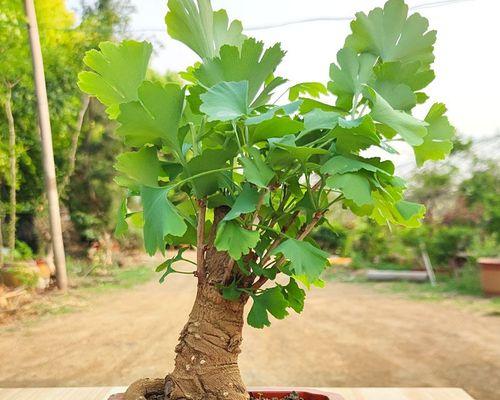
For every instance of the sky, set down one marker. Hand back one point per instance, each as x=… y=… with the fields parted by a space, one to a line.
x=467 y=50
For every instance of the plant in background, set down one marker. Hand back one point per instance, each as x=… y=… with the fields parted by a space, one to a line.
x=219 y=165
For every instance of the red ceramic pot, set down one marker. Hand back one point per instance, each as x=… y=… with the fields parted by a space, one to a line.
x=490 y=275
x=305 y=393
x=265 y=393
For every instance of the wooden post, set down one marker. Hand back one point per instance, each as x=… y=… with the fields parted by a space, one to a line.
x=428 y=264
x=11 y=239
x=1 y=238
x=47 y=150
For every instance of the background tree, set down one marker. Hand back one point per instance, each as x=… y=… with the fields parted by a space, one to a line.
x=218 y=165
x=63 y=44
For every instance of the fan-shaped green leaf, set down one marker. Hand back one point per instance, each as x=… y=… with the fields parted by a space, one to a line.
x=200 y=28
x=305 y=259
x=142 y=166
x=235 y=239
x=251 y=64
x=245 y=203
x=270 y=300
x=313 y=89
x=226 y=101
x=117 y=72
x=411 y=129
x=390 y=34
x=353 y=186
x=348 y=78
x=161 y=218
x=438 y=142
x=155 y=118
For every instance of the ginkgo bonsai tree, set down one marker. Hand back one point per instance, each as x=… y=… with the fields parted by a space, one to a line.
x=219 y=164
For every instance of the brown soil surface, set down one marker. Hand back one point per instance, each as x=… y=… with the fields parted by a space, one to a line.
x=348 y=335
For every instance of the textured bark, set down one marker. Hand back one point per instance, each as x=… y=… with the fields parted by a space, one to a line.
x=206 y=363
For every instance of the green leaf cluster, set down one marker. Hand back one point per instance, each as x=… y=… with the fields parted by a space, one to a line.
x=218 y=144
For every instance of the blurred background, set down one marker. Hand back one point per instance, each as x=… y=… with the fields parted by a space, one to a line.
x=401 y=307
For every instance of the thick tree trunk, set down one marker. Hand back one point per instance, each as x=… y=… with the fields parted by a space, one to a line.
x=206 y=363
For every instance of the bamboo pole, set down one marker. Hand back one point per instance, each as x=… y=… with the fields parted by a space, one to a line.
x=47 y=149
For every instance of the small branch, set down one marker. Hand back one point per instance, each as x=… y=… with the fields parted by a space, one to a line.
x=256 y=218
x=303 y=233
x=200 y=245
x=307 y=229
x=74 y=144
x=227 y=272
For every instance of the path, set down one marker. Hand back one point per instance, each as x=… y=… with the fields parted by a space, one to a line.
x=348 y=335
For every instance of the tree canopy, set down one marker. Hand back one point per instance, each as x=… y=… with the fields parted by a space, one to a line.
x=222 y=142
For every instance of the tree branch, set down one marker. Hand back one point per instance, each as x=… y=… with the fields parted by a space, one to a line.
x=227 y=272
x=74 y=144
x=303 y=233
x=200 y=242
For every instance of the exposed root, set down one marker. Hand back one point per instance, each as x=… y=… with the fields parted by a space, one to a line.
x=145 y=389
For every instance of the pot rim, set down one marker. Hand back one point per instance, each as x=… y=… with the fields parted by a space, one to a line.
x=489 y=261
x=289 y=389
x=268 y=390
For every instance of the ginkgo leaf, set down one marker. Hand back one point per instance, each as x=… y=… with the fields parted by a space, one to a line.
x=399 y=83
x=301 y=153
x=117 y=72
x=390 y=34
x=245 y=203
x=142 y=166
x=398 y=212
x=355 y=135
x=313 y=89
x=409 y=73
x=167 y=266
x=200 y=28
x=121 y=223
x=305 y=259
x=438 y=142
x=275 y=127
x=231 y=292
x=411 y=129
x=209 y=160
x=155 y=118
x=398 y=95
x=349 y=77
x=235 y=239
x=286 y=109
x=255 y=169
x=250 y=63
x=320 y=119
x=353 y=186
x=161 y=218
x=270 y=301
x=294 y=295
x=226 y=101
x=342 y=165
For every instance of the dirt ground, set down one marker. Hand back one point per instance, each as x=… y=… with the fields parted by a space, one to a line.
x=348 y=335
